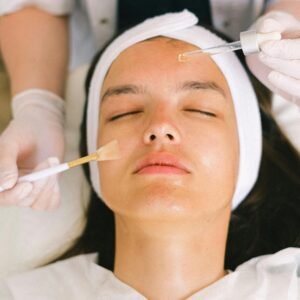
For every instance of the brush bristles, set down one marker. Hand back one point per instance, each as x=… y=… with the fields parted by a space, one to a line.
x=110 y=151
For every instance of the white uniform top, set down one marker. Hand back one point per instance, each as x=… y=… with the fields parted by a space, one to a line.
x=93 y=22
x=268 y=277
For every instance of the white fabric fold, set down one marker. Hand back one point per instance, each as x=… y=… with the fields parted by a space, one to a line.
x=181 y=26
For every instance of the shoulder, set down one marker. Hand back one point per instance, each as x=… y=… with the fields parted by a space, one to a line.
x=267 y=277
x=74 y=278
x=286 y=260
x=274 y=276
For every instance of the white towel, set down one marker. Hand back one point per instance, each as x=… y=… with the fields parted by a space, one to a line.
x=181 y=26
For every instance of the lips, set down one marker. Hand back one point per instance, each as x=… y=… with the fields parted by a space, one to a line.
x=161 y=163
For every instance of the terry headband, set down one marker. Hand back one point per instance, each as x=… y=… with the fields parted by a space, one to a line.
x=181 y=26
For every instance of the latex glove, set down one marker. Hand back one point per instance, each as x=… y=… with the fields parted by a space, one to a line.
x=34 y=134
x=278 y=64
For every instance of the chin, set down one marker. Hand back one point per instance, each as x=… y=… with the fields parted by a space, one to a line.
x=164 y=200
x=161 y=203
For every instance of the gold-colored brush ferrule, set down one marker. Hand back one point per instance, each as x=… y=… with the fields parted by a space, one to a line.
x=82 y=160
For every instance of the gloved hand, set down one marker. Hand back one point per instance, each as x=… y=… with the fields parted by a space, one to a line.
x=34 y=134
x=278 y=64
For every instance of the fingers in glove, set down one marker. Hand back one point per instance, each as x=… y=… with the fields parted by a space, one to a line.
x=55 y=198
x=16 y=195
x=277 y=21
x=285 y=83
x=284 y=49
x=270 y=25
x=287 y=67
x=8 y=166
x=45 y=194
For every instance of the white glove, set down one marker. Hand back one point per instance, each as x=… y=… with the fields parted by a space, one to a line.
x=278 y=64
x=35 y=133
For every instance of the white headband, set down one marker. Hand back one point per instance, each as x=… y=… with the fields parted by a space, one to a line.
x=181 y=26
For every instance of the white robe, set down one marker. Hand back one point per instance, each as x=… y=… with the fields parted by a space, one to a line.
x=268 y=277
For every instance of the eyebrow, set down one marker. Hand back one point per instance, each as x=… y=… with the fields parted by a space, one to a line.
x=201 y=85
x=185 y=86
x=123 y=89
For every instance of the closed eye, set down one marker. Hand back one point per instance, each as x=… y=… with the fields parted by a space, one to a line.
x=204 y=112
x=119 y=116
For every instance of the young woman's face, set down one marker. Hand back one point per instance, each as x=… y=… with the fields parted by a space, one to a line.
x=176 y=127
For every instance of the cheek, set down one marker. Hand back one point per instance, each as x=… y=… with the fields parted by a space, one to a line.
x=217 y=161
x=108 y=180
x=218 y=156
x=114 y=173
x=214 y=143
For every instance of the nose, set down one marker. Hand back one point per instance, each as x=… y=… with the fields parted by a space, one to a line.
x=161 y=131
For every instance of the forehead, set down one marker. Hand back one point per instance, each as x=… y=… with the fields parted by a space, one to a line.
x=154 y=62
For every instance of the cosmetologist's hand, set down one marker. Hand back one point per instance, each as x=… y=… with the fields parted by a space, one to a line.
x=278 y=64
x=33 y=140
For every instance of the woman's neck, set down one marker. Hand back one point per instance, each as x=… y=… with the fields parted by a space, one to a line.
x=162 y=260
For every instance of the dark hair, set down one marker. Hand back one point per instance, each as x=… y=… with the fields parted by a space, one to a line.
x=267 y=221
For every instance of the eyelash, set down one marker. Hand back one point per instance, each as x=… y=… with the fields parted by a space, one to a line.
x=207 y=113
x=116 y=117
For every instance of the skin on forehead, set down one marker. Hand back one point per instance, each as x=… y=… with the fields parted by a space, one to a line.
x=178 y=47
x=147 y=77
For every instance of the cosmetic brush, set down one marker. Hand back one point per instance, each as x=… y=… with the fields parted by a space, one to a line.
x=109 y=151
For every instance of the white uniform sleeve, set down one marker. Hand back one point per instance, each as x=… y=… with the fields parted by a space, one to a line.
x=61 y=7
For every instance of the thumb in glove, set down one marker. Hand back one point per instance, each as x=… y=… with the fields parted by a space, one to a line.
x=278 y=63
